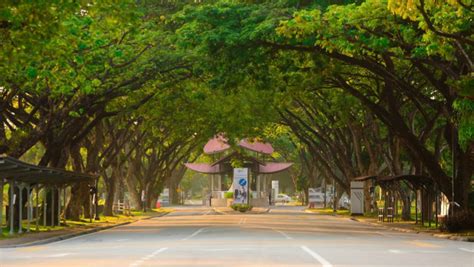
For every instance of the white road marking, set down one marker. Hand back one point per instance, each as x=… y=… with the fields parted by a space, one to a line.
x=121 y=240
x=395 y=251
x=137 y=263
x=225 y=249
x=383 y=234
x=316 y=256
x=467 y=250
x=58 y=255
x=283 y=234
x=193 y=235
x=145 y=258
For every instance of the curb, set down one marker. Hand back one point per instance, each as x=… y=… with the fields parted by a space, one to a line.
x=85 y=232
x=437 y=235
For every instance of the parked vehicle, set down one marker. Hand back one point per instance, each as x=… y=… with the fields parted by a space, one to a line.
x=282 y=198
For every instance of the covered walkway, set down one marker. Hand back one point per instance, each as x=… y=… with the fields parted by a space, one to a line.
x=21 y=177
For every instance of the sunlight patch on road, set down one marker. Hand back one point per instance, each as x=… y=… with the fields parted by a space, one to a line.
x=31 y=249
x=421 y=244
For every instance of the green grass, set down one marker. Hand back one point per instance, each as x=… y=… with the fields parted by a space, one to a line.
x=329 y=211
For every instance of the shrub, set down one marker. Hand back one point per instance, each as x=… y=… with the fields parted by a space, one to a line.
x=461 y=220
x=228 y=194
x=471 y=200
x=241 y=207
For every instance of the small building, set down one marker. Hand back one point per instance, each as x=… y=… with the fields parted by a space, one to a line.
x=252 y=155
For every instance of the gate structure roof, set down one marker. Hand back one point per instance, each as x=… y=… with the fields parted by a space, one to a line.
x=14 y=169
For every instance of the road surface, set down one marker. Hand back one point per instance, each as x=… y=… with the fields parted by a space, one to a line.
x=286 y=236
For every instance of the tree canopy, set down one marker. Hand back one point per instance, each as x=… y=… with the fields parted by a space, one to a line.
x=132 y=89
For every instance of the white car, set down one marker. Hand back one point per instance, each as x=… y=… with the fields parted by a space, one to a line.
x=282 y=198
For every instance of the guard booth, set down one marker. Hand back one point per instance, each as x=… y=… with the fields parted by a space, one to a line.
x=255 y=157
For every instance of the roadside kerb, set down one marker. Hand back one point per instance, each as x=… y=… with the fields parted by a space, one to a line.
x=85 y=232
x=404 y=230
x=438 y=235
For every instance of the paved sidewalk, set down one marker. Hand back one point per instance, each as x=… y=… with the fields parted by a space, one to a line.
x=403 y=226
x=38 y=238
x=411 y=227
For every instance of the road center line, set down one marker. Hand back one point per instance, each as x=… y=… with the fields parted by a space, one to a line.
x=58 y=255
x=193 y=234
x=283 y=234
x=467 y=250
x=316 y=256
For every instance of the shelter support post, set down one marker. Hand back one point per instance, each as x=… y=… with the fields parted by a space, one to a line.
x=44 y=205
x=258 y=184
x=59 y=206
x=436 y=207
x=52 y=206
x=416 y=206
x=430 y=208
x=20 y=209
x=1 y=205
x=421 y=204
x=212 y=183
x=29 y=208
x=64 y=204
x=37 y=208
x=10 y=205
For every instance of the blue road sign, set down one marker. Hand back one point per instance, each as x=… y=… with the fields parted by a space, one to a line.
x=243 y=182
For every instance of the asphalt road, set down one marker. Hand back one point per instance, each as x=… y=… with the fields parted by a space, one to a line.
x=284 y=237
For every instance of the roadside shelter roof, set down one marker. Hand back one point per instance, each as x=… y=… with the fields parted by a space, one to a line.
x=14 y=169
x=365 y=178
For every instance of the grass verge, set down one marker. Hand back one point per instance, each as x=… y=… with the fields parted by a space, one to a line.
x=83 y=223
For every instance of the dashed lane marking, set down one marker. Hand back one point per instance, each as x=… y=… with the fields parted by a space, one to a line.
x=395 y=251
x=316 y=256
x=283 y=234
x=145 y=258
x=467 y=250
x=193 y=234
x=60 y=255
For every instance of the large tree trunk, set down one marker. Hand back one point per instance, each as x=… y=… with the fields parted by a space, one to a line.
x=109 y=197
x=462 y=183
x=79 y=202
x=134 y=195
x=406 y=208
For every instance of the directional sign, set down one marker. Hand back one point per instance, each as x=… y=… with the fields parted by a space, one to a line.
x=240 y=185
